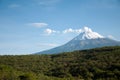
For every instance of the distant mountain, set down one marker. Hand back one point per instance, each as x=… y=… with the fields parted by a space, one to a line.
x=87 y=39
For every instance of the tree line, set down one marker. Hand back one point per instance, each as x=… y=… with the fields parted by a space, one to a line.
x=93 y=64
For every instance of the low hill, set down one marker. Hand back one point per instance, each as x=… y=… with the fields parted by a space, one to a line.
x=93 y=64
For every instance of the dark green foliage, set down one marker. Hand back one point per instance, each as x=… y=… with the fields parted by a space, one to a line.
x=94 y=64
x=7 y=73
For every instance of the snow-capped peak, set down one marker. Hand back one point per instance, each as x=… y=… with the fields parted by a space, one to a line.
x=87 y=33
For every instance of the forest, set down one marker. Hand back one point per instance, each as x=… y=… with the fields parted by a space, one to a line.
x=92 y=64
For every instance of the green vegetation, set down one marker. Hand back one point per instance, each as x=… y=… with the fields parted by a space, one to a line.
x=94 y=64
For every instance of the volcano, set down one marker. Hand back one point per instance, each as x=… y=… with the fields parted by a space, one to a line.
x=87 y=39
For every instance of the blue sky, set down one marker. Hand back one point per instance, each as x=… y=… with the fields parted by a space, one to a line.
x=29 y=26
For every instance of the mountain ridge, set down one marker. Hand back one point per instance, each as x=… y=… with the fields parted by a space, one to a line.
x=87 y=39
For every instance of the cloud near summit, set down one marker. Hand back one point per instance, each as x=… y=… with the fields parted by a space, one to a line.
x=70 y=30
x=49 y=31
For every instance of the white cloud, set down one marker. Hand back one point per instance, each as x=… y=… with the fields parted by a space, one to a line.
x=39 y=25
x=14 y=6
x=70 y=30
x=50 y=31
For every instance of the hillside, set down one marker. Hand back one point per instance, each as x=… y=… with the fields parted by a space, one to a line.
x=93 y=64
